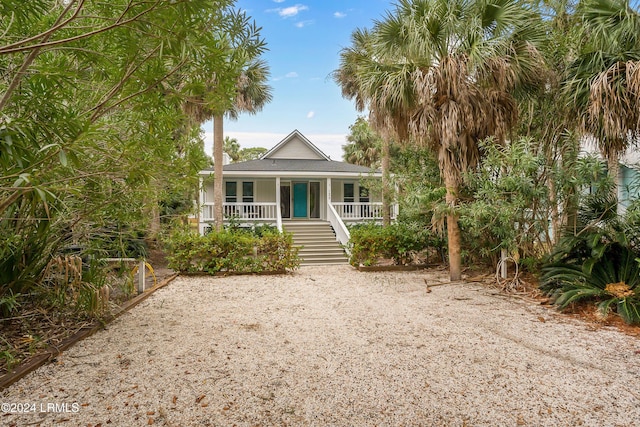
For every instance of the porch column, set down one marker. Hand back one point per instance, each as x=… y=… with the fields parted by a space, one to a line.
x=278 y=211
x=200 y=203
x=328 y=191
x=396 y=207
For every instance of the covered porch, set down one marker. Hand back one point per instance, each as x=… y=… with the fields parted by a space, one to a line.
x=339 y=200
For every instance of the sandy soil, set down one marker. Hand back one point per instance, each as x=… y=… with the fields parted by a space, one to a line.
x=332 y=346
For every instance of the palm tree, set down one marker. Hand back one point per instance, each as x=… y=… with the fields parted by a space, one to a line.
x=604 y=80
x=382 y=87
x=252 y=94
x=232 y=148
x=443 y=71
x=364 y=145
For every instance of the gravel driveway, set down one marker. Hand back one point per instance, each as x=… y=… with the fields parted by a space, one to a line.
x=329 y=346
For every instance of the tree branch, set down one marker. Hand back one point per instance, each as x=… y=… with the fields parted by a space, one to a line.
x=119 y=23
x=46 y=34
x=98 y=114
x=132 y=69
x=34 y=53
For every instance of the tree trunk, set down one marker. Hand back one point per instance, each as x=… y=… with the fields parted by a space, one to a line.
x=152 y=204
x=154 y=224
x=218 y=142
x=553 y=196
x=555 y=213
x=386 y=194
x=613 y=168
x=572 y=192
x=453 y=229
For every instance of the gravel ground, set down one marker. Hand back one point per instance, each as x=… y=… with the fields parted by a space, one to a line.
x=329 y=346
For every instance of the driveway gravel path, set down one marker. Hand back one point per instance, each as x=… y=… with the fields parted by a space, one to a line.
x=330 y=346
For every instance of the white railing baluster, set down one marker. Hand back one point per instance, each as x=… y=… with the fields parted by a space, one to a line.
x=361 y=211
x=260 y=211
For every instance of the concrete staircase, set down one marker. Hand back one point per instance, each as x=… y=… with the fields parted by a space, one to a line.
x=317 y=241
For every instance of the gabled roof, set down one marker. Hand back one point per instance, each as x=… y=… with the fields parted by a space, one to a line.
x=304 y=149
x=294 y=156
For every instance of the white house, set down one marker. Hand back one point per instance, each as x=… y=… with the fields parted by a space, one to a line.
x=628 y=179
x=293 y=185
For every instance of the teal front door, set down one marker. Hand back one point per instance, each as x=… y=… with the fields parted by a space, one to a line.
x=300 y=200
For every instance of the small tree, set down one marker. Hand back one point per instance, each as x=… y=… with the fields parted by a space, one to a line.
x=232 y=148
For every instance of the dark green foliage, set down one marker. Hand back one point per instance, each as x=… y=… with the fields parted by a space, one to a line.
x=175 y=205
x=231 y=251
x=99 y=139
x=9 y=303
x=609 y=276
x=116 y=242
x=506 y=202
x=418 y=178
x=25 y=251
x=399 y=241
x=599 y=264
x=257 y=230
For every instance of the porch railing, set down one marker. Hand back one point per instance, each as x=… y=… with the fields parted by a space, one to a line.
x=342 y=233
x=268 y=211
x=361 y=211
x=243 y=211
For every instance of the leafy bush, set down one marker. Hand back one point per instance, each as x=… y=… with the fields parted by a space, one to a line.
x=24 y=254
x=599 y=264
x=507 y=205
x=70 y=285
x=609 y=275
x=116 y=241
x=399 y=241
x=231 y=251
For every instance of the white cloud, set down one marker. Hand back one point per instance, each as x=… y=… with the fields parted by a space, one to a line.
x=288 y=12
x=311 y=114
x=339 y=15
x=302 y=24
x=289 y=75
x=278 y=1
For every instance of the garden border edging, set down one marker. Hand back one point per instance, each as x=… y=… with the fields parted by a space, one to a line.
x=52 y=352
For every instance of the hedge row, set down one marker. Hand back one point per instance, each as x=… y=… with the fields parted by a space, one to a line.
x=231 y=251
x=399 y=241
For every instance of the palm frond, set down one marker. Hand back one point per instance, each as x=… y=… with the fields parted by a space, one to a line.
x=629 y=309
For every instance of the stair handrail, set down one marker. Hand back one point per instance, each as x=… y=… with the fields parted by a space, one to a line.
x=342 y=234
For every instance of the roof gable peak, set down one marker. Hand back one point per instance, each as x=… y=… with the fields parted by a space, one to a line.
x=295 y=146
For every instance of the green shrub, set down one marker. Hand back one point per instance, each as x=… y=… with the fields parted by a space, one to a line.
x=608 y=276
x=505 y=204
x=399 y=241
x=70 y=285
x=599 y=264
x=234 y=251
x=277 y=251
x=116 y=241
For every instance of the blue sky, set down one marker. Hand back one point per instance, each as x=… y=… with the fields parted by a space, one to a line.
x=304 y=39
